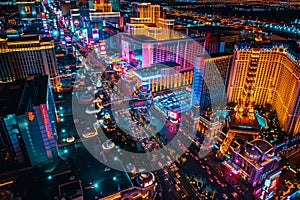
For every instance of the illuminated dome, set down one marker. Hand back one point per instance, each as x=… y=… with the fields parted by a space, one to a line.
x=259 y=150
x=145 y=179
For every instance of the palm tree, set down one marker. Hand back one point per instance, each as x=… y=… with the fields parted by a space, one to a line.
x=214 y=192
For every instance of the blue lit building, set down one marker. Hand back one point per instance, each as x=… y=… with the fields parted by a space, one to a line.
x=210 y=80
x=27 y=123
x=198 y=80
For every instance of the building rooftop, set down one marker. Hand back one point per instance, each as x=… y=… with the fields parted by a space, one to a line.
x=258 y=150
x=175 y=38
x=142 y=38
x=215 y=55
x=24 y=38
x=19 y=96
x=244 y=124
x=10 y=95
x=154 y=70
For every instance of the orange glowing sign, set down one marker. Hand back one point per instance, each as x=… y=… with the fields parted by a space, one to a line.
x=30 y=116
x=46 y=120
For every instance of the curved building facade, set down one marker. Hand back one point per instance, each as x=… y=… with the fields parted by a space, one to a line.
x=261 y=76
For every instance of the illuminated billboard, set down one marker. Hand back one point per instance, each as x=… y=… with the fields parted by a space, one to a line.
x=95 y=34
x=173 y=117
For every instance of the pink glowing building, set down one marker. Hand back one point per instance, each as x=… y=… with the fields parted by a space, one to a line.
x=142 y=50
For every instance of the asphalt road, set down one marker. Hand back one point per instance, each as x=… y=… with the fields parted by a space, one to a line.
x=199 y=170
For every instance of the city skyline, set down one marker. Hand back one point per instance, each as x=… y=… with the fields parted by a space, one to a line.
x=109 y=99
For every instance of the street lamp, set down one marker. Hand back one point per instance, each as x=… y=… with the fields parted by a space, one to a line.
x=96 y=185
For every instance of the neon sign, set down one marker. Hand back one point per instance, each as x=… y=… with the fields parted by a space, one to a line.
x=173 y=115
x=30 y=116
x=45 y=118
x=274 y=184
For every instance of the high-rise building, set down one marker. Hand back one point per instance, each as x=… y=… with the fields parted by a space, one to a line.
x=210 y=80
x=143 y=51
x=162 y=76
x=266 y=75
x=147 y=20
x=167 y=26
x=212 y=43
x=146 y=10
x=27 y=55
x=27 y=123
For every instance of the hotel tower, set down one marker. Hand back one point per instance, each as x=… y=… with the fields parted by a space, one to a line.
x=266 y=75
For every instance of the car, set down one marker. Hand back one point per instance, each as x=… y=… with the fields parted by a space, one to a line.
x=239 y=189
x=160 y=165
x=215 y=177
x=168 y=157
x=208 y=171
x=177 y=181
x=234 y=194
x=211 y=180
x=225 y=196
x=177 y=175
x=223 y=184
x=182 y=195
x=89 y=187
x=177 y=187
x=203 y=166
